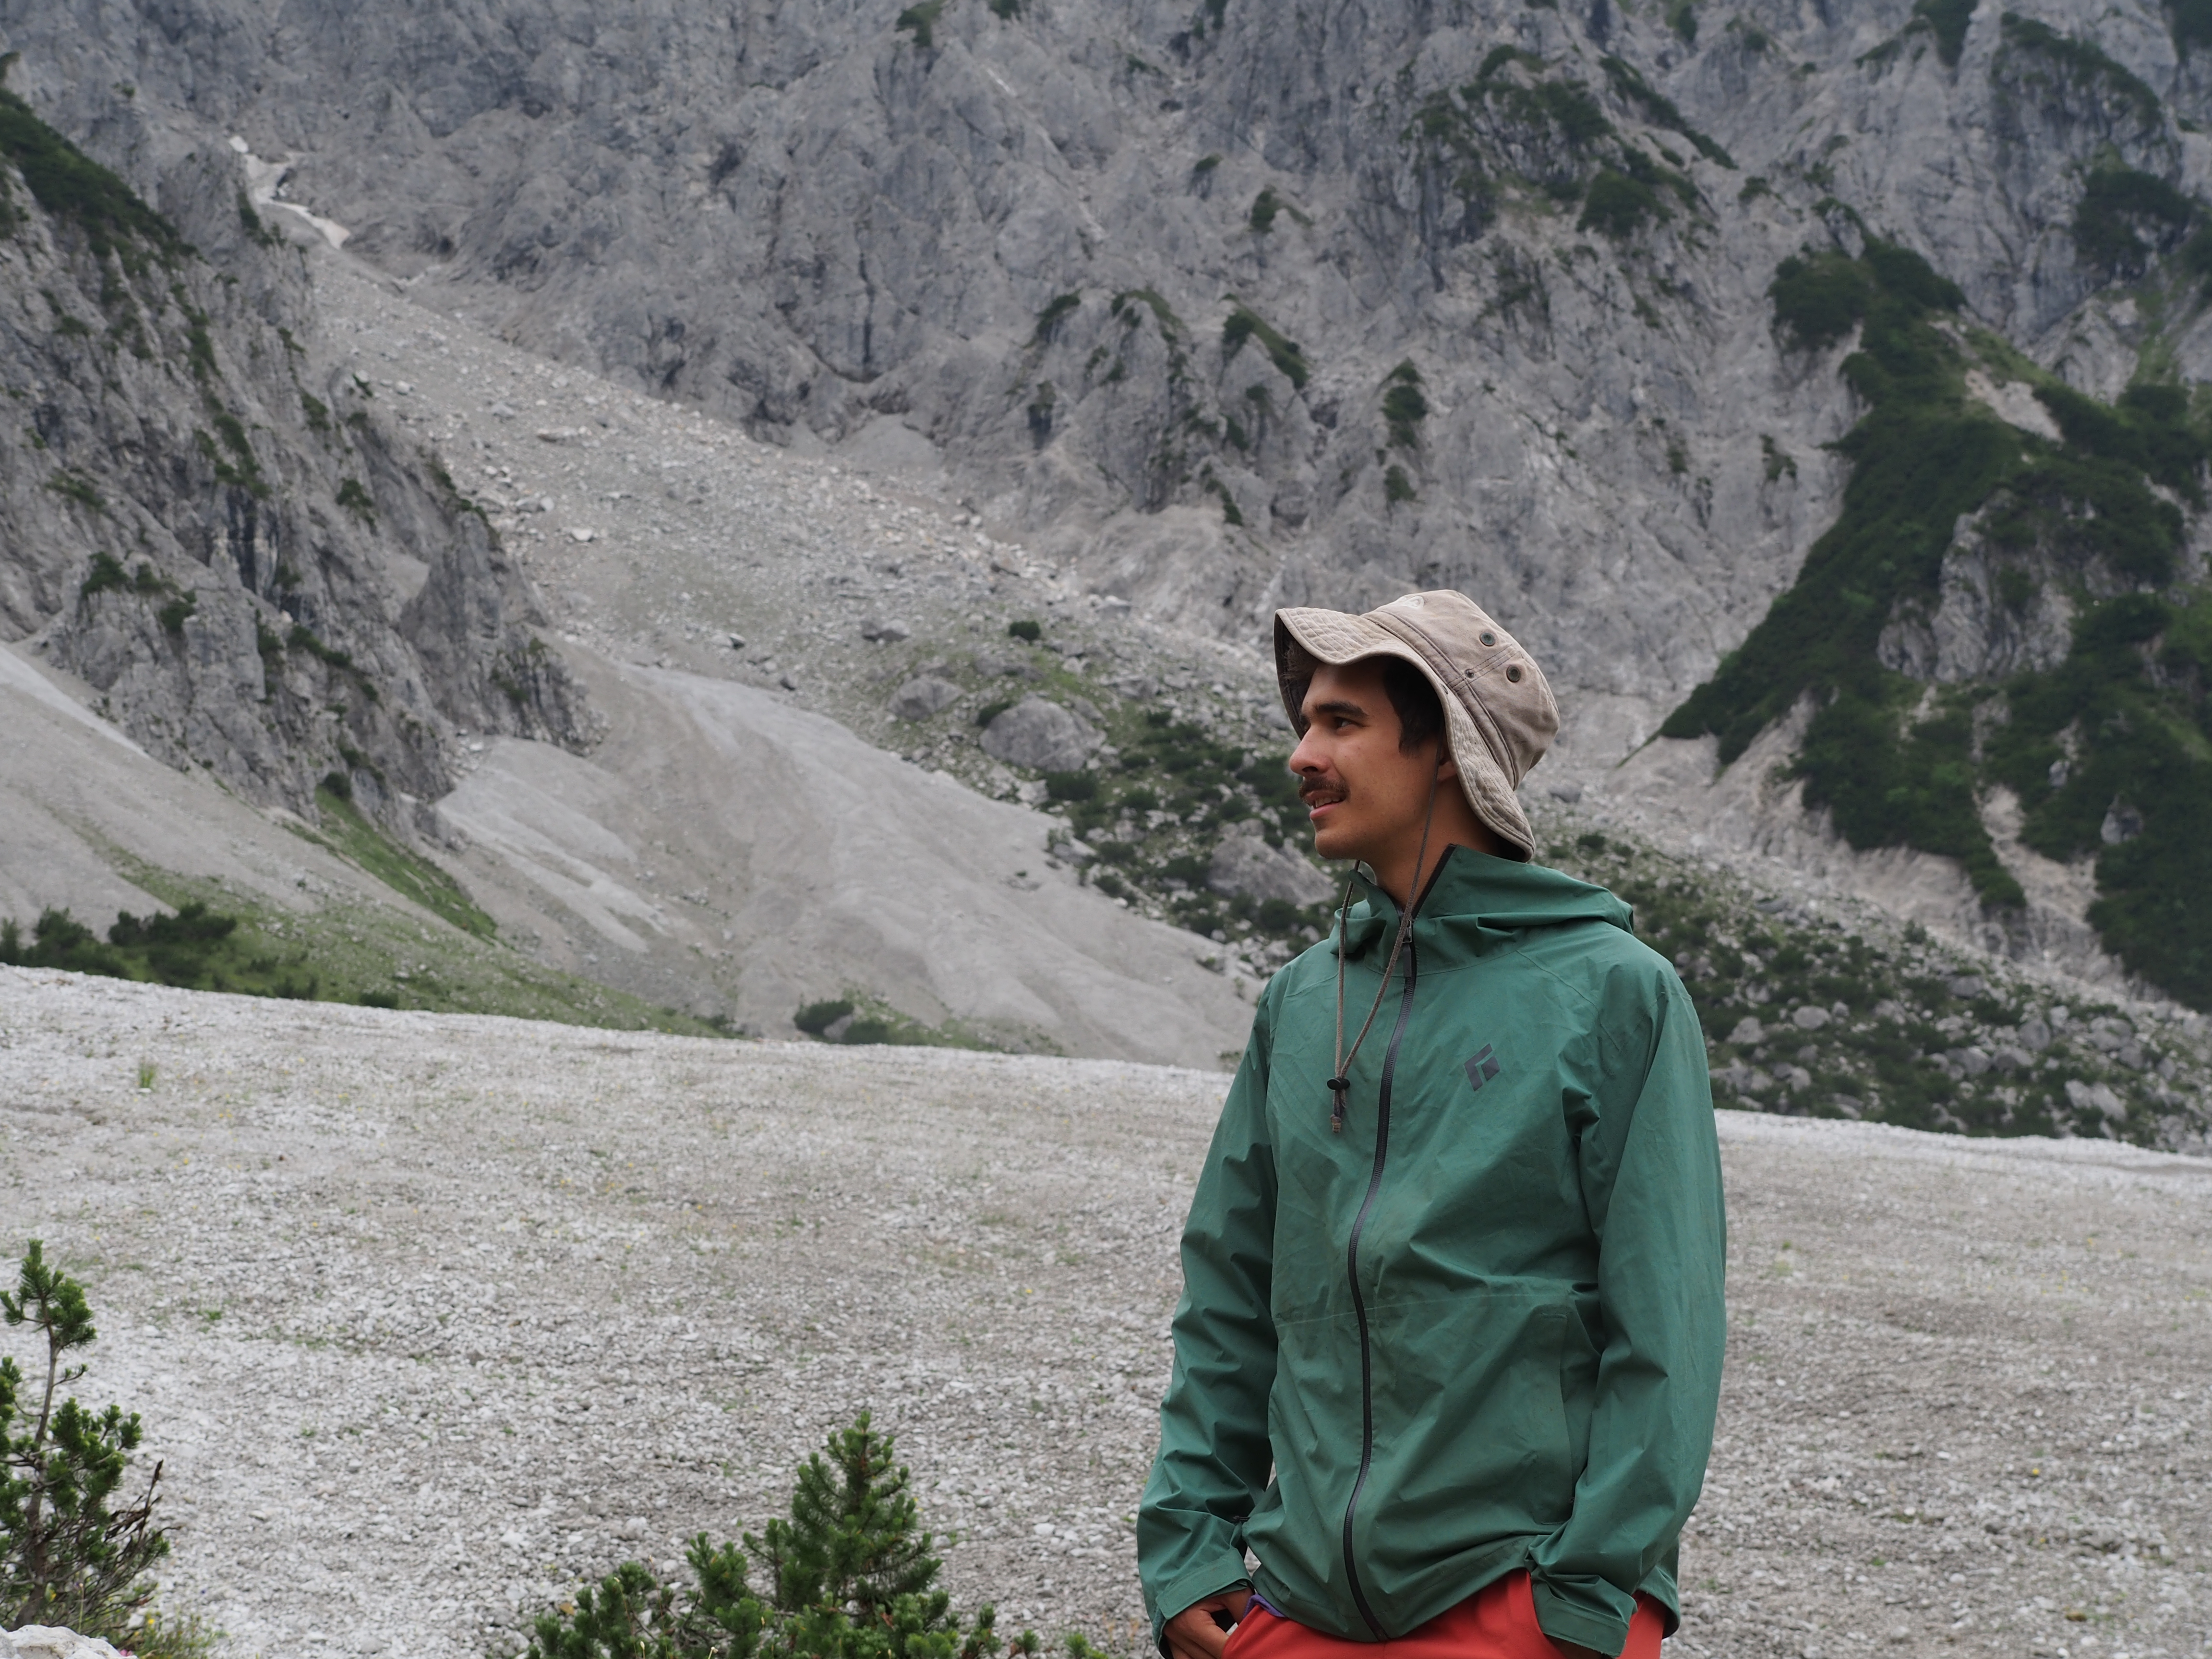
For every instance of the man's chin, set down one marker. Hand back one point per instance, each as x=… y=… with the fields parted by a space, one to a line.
x=1333 y=843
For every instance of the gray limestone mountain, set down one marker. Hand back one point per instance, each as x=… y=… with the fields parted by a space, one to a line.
x=1632 y=321
x=250 y=566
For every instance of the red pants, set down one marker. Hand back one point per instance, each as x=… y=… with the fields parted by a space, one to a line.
x=1498 y=1623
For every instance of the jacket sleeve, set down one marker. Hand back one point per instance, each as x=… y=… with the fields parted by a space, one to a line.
x=1651 y=1180
x=1214 y=1461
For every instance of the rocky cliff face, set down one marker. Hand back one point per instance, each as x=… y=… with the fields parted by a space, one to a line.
x=254 y=568
x=1837 y=360
x=1147 y=276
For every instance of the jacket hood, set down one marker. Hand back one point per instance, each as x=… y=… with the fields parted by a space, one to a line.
x=1476 y=900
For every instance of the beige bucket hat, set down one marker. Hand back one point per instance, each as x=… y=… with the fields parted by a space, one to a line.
x=1498 y=711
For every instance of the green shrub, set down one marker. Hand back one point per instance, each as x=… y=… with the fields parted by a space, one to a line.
x=106 y=576
x=1049 y=320
x=2118 y=205
x=1264 y=206
x=1245 y=323
x=352 y=497
x=1616 y=205
x=816 y=1018
x=1025 y=630
x=921 y=22
x=1070 y=785
x=177 y=613
x=1820 y=299
x=1946 y=20
x=1404 y=407
x=849 y=1576
x=68 y=1555
x=196 y=949
x=1396 y=486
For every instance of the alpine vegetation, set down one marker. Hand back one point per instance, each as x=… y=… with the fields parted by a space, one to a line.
x=72 y=1552
x=849 y=1576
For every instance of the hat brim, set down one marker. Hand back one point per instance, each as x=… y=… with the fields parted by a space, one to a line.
x=1337 y=637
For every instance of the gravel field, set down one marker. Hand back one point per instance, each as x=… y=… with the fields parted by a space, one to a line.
x=431 y=1316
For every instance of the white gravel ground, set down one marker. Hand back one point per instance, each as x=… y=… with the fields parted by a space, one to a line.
x=431 y=1316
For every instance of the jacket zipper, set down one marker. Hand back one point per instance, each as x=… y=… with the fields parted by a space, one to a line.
x=1359 y=1302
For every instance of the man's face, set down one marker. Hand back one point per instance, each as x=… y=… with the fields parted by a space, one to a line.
x=1362 y=793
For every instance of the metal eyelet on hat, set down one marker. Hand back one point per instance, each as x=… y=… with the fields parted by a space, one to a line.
x=1490 y=639
x=1514 y=673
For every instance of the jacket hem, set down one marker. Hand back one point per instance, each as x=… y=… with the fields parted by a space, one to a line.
x=1566 y=1620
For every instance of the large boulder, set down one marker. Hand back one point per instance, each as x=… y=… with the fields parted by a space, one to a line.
x=53 y=1642
x=1041 y=736
x=1244 y=866
x=922 y=696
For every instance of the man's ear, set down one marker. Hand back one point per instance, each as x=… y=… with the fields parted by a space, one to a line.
x=1447 y=768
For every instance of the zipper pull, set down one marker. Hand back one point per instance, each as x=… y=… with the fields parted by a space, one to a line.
x=1339 y=1087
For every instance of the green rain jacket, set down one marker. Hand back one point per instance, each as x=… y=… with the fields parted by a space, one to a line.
x=1480 y=1329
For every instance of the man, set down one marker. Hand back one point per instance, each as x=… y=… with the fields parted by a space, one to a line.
x=1448 y=1351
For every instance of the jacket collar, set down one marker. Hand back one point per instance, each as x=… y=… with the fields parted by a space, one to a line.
x=1473 y=903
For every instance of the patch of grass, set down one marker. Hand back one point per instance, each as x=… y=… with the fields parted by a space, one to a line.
x=73 y=188
x=2083 y=63
x=861 y=1020
x=1049 y=320
x=1264 y=206
x=2126 y=217
x=71 y=486
x=355 y=499
x=921 y=22
x=1617 y=205
x=1396 y=486
x=346 y=832
x=1499 y=57
x=1566 y=106
x=1288 y=355
x=1946 y=20
x=304 y=638
x=1629 y=84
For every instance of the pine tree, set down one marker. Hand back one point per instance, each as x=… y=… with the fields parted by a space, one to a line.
x=65 y=1557
x=851 y=1576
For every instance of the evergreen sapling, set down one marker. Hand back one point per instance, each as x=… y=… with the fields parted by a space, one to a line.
x=66 y=1558
x=849 y=1576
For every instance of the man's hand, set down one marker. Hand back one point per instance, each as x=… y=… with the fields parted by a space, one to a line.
x=1192 y=1633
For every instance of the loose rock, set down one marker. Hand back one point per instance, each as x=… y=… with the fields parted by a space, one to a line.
x=1041 y=735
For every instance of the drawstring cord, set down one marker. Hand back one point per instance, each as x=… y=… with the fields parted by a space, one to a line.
x=1339 y=1086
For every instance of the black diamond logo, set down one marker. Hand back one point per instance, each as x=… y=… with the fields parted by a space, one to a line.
x=1481 y=1069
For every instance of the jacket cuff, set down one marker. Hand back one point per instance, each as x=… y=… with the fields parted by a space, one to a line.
x=1590 y=1613
x=1187 y=1591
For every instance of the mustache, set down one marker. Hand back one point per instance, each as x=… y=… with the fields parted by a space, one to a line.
x=1312 y=791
